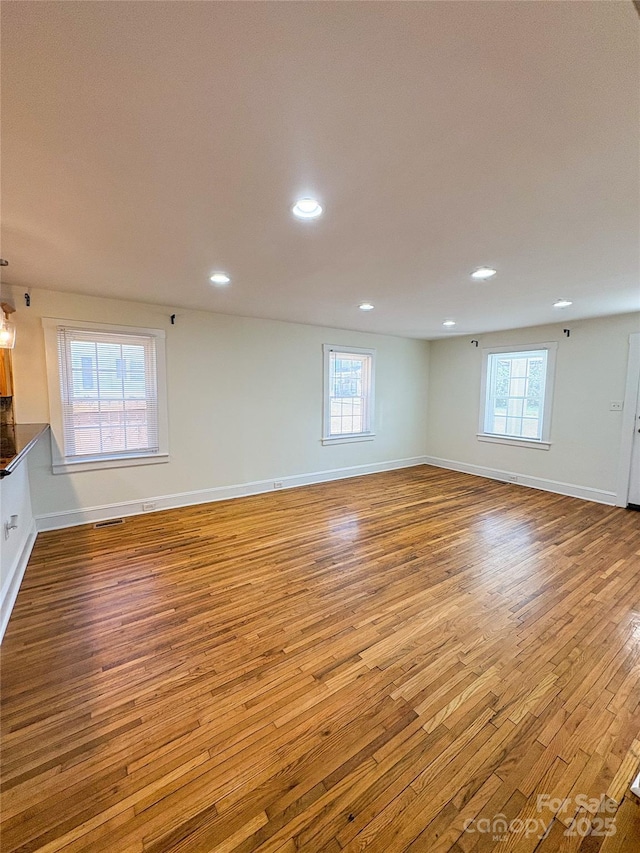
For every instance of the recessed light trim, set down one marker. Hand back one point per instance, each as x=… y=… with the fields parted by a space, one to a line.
x=307 y=208
x=449 y=323
x=366 y=306
x=562 y=303
x=219 y=278
x=483 y=273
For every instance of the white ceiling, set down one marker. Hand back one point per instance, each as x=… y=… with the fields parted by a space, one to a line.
x=147 y=144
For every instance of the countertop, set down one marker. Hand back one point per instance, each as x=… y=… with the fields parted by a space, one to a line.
x=17 y=441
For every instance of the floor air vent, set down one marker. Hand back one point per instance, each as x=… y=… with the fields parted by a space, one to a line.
x=110 y=523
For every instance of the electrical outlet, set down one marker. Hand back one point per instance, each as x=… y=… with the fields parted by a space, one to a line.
x=277 y=484
x=615 y=406
x=512 y=478
x=149 y=506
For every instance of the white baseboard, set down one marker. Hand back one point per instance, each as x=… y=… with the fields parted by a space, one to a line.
x=11 y=586
x=89 y=515
x=568 y=489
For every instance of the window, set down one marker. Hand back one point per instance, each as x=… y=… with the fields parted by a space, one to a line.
x=517 y=394
x=107 y=393
x=348 y=394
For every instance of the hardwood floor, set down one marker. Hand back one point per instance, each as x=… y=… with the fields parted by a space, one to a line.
x=392 y=662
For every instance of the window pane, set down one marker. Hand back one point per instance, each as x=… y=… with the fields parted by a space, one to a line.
x=349 y=389
x=133 y=384
x=518 y=367
x=514 y=403
x=87 y=441
x=88 y=373
x=514 y=407
x=86 y=414
x=108 y=387
x=530 y=427
x=500 y=425
x=516 y=387
x=502 y=386
x=347 y=377
x=503 y=367
x=514 y=426
x=113 y=436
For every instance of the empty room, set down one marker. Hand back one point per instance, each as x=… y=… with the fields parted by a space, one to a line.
x=320 y=410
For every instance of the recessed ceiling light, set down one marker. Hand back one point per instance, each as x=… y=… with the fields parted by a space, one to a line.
x=307 y=208
x=366 y=306
x=483 y=273
x=449 y=323
x=562 y=303
x=219 y=278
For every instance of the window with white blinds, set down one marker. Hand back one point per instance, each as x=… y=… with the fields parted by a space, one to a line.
x=112 y=402
x=349 y=394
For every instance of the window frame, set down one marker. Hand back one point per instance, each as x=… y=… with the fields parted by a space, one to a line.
x=62 y=464
x=544 y=442
x=347 y=438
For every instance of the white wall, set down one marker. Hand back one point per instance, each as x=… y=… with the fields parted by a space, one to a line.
x=245 y=402
x=590 y=373
x=16 y=547
x=251 y=409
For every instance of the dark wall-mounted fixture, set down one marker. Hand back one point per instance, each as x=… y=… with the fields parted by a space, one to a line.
x=567 y=332
x=475 y=342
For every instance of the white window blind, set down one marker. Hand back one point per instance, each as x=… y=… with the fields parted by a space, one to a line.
x=109 y=393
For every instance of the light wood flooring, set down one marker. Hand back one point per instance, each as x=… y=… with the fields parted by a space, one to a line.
x=388 y=663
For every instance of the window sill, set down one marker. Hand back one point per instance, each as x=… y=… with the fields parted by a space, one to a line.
x=72 y=467
x=516 y=442
x=349 y=439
